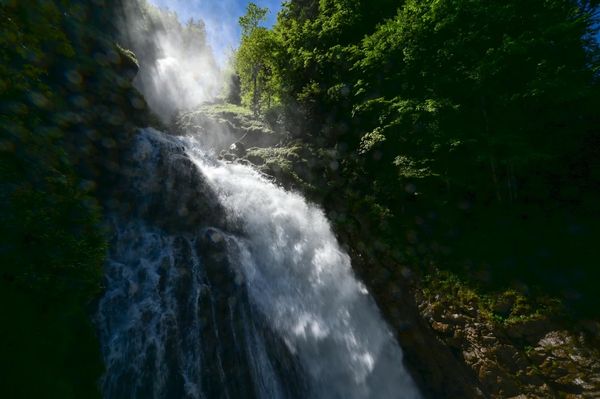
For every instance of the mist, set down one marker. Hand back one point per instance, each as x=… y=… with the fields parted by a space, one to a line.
x=178 y=70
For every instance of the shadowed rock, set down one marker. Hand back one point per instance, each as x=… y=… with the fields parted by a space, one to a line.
x=161 y=183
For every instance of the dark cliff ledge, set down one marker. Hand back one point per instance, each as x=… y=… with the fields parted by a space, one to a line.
x=67 y=107
x=458 y=342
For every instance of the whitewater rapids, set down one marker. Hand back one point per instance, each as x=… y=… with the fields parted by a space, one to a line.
x=263 y=305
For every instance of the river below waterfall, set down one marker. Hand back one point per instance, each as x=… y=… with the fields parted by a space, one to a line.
x=220 y=284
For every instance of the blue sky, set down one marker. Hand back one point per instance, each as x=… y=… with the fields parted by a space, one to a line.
x=221 y=18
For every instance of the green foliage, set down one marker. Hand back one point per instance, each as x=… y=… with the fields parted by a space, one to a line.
x=53 y=247
x=503 y=308
x=215 y=110
x=49 y=223
x=476 y=79
x=252 y=19
x=290 y=165
x=474 y=123
x=255 y=61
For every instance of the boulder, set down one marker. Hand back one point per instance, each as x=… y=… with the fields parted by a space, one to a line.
x=125 y=62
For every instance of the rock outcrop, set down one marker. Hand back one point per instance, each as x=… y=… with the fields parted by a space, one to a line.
x=534 y=357
x=218 y=126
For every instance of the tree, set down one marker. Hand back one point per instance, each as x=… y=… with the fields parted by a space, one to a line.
x=490 y=105
x=252 y=19
x=487 y=90
x=255 y=60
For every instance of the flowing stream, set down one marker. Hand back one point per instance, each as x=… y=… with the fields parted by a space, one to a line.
x=220 y=284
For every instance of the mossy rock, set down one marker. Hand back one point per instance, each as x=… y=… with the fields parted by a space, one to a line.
x=222 y=124
x=127 y=62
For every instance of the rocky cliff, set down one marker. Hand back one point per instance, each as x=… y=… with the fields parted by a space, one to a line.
x=458 y=342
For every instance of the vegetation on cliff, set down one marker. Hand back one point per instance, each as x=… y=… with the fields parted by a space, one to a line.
x=454 y=133
x=64 y=91
x=458 y=138
x=468 y=130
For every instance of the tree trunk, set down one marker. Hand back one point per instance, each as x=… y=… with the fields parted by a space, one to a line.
x=255 y=91
x=492 y=159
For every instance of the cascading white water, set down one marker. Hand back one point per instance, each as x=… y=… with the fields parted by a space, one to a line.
x=219 y=283
x=264 y=306
x=302 y=281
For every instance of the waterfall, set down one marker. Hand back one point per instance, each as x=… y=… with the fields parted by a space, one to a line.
x=223 y=285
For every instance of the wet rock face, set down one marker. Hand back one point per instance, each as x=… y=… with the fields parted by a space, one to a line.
x=194 y=332
x=235 y=326
x=160 y=183
x=198 y=334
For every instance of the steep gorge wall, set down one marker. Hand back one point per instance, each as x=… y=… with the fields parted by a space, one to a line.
x=67 y=108
x=453 y=345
